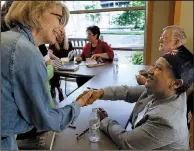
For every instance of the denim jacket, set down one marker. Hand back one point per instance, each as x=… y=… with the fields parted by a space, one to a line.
x=25 y=99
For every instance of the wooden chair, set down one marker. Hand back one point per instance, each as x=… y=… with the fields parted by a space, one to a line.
x=78 y=44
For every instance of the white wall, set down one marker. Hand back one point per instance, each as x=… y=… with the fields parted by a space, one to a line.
x=160 y=20
x=2 y=2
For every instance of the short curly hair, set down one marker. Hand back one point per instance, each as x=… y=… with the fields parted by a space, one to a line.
x=95 y=30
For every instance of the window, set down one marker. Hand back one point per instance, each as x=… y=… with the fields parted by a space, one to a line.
x=111 y=31
x=121 y=22
x=80 y=5
x=2 y=2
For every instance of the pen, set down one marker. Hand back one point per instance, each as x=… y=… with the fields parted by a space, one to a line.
x=72 y=126
x=82 y=134
x=92 y=88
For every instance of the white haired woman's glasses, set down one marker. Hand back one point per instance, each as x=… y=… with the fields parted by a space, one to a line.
x=60 y=18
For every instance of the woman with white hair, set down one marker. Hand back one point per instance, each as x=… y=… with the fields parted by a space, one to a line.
x=25 y=99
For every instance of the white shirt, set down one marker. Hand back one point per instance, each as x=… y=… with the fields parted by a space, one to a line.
x=139 y=116
x=142 y=113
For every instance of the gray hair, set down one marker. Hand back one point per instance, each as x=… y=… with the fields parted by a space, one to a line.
x=177 y=33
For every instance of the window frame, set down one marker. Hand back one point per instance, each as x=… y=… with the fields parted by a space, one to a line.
x=134 y=8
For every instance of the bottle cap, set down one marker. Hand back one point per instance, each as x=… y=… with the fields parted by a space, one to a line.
x=94 y=109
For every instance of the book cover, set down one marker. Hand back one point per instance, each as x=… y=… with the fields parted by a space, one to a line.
x=69 y=67
x=93 y=63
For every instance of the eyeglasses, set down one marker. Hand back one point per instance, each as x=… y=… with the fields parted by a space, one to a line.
x=60 y=18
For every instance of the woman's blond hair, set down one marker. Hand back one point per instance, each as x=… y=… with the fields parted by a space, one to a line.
x=65 y=43
x=30 y=13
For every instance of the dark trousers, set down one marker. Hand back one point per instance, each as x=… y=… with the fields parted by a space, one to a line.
x=82 y=80
x=55 y=83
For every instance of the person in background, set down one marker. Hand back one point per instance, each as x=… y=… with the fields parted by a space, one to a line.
x=4 y=10
x=24 y=74
x=50 y=74
x=60 y=49
x=158 y=119
x=95 y=49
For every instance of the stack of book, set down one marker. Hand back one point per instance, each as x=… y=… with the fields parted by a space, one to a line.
x=93 y=63
x=69 y=67
x=57 y=64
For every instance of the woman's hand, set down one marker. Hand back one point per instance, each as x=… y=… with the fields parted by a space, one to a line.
x=96 y=56
x=83 y=98
x=95 y=96
x=78 y=59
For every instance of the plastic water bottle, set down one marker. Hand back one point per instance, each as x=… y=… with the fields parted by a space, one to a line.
x=71 y=55
x=94 y=124
x=115 y=62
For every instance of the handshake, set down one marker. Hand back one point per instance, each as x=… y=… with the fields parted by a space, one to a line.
x=89 y=96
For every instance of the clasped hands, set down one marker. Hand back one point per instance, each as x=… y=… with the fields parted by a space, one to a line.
x=89 y=96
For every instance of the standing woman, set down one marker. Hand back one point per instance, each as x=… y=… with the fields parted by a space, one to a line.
x=24 y=74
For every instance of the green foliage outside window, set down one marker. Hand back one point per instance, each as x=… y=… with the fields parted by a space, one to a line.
x=137 y=58
x=95 y=18
x=135 y=19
